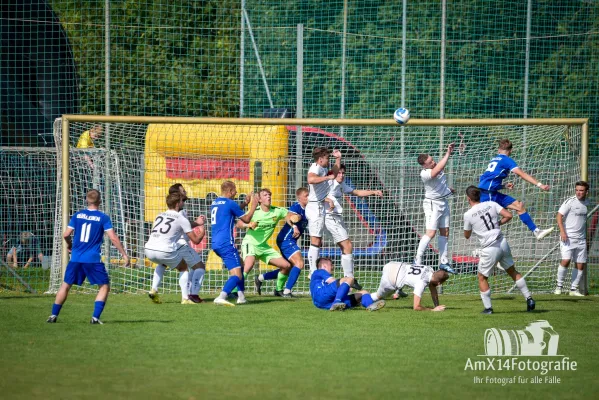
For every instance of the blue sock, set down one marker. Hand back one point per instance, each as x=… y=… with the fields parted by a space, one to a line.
x=98 y=308
x=271 y=275
x=230 y=284
x=293 y=275
x=56 y=309
x=342 y=291
x=241 y=285
x=527 y=220
x=366 y=300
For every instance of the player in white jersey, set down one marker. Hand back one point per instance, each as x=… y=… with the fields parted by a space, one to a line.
x=318 y=186
x=163 y=248
x=398 y=274
x=572 y=222
x=190 y=256
x=483 y=219
x=436 y=206
x=335 y=224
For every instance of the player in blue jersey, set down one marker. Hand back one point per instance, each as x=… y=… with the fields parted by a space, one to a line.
x=88 y=227
x=331 y=294
x=491 y=181
x=223 y=212
x=287 y=242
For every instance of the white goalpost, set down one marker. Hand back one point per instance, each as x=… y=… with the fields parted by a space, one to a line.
x=146 y=155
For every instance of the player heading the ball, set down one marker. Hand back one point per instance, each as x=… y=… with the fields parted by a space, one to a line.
x=491 y=181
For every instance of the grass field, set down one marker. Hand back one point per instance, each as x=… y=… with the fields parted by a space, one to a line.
x=281 y=349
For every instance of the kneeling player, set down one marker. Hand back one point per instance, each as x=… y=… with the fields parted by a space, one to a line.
x=483 y=220
x=329 y=294
x=399 y=274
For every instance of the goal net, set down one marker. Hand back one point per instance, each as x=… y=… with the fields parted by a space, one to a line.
x=133 y=165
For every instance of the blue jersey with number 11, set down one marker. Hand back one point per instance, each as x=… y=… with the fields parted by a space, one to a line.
x=498 y=169
x=89 y=226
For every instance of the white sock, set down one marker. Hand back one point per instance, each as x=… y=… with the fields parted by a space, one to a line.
x=240 y=295
x=424 y=241
x=375 y=296
x=576 y=278
x=222 y=296
x=313 y=254
x=286 y=291
x=158 y=274
x=521 y=284
x=261 y=277
x=347 y=263
x=197 y=279
x=443 y=240
x=486 y=297
x=561 y=274
x=183 y=281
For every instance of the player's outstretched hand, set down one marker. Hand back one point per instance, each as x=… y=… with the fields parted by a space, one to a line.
x=439 y=308
x=201 y=220
x=377 y=193
x=252 y=225
x=509 y=185
x=127 y=262
x=336 y=153
x=544 y=187
x=450 y=148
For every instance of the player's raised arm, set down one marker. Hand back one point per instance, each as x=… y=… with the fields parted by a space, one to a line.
x=518 y=171
x=118 y=245
x=442 y=162
x=366 y=193
x=197 y=237
x=507 y=216
x=247 y=217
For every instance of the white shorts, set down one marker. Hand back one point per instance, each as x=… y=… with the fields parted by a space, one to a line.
x=336 y=227
x=499 y=252
x=575 y=250
x=171 y=260
x=315 y=216
x=190 y=256
x=436 y=214
x=386 y=287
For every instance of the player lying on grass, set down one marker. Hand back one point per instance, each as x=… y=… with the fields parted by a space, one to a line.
x=331 y=294
x=491 y=181
x=398 y=274
x=163 y=247
x=483 y=220
x=223 y=212
x=255 y=242
x=88 y=227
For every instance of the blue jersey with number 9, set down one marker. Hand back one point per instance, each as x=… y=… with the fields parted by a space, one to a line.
x=223 y=212
x=89 y=226
x=498 y=169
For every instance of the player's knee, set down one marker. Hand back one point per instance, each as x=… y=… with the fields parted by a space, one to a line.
x=348 y=279
x=199 y=265
x=519 y=207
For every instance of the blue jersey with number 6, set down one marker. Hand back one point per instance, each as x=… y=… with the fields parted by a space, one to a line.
x=223 y=212
x=89 y=226
x=498 y=169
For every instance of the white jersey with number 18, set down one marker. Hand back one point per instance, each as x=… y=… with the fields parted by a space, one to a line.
x=167 y=230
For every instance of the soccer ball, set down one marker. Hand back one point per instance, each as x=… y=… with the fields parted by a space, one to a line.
x=401 y=115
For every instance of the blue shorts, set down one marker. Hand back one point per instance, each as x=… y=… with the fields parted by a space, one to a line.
x=288 y=248
x=325 y=296
x=94 y=272
x=230 y=257
x=502 y=199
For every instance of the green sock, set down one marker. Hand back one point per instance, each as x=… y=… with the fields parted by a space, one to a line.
x=245 y=277
x=281 y=281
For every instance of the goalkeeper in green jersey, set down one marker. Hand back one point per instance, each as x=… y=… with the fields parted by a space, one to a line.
x=255 y=243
